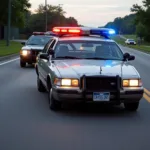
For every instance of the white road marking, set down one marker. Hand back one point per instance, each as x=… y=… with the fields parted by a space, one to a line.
x=6 y=62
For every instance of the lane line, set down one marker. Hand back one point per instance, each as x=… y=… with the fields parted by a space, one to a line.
x=147 y=91
x=6 y=62
x=147 y=98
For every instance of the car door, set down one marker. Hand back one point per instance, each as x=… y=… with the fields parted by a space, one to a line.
x=41 y=62
x=46 y=64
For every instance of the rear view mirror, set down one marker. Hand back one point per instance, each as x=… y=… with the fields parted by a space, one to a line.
x=87 y=45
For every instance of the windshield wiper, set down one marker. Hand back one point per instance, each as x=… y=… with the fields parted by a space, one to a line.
x=69 y=57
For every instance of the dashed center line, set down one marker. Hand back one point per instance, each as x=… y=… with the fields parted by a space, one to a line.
x=146 y=95
x=147 y=91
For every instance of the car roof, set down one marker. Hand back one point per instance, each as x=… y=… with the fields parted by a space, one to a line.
x=86 y=38
x=42 y=35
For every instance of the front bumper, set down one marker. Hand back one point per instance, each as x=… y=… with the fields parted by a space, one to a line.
x=77 y=95
x=132 y=43
x=28 y=58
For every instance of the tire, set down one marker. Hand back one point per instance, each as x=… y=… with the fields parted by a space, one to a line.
x=40 y=85
x=53 y=104
x=131 y=106
x=22 y=64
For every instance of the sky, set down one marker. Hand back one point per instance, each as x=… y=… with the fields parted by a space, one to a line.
x=92 y=13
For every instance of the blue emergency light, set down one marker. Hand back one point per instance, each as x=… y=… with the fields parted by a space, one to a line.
x=102 y=31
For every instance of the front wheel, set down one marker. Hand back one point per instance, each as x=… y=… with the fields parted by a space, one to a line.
x=22 y=64
x=53 y=104
x=131 y=106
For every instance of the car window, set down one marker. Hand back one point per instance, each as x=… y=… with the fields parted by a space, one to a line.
x=88 y=49
x=38 y=40
x=59 y=45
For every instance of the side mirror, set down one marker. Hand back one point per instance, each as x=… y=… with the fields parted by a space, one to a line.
x=23 y=43
x=44 y=56
x=131 y=57
x=126 y=56
x=51 y=52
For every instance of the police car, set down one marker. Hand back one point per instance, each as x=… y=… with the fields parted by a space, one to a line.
x=130 y=42
x=33 y=46
x=84 y=65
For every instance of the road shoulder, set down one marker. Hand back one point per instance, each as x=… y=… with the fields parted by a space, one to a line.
x=8 y=57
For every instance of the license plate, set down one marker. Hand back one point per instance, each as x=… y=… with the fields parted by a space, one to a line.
x=101 y=96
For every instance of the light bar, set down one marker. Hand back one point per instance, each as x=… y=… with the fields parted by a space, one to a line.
x=38 y=33
x=102 y=31
x=84 y=31
x=50 y=33
x=67 y=30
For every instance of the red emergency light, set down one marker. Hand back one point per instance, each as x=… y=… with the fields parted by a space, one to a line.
x=67 y=30
x=38 y=33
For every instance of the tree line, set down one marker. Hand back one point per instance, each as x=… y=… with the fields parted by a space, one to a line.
x=18 y=11
x=142 y=20
x=55 y=17
x=124 y=25
x=136 y=23
x=28 y=21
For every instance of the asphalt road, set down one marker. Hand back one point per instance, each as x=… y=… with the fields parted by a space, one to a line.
x=26 y=123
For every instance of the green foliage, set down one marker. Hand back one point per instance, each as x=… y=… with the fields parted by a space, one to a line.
x=123 y=25
x=18 y=10
x=8 y=50
x=140 y=30
x=55 y=17
x=121 y=41
x=143 y=18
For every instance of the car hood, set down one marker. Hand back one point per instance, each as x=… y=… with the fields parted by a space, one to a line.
x=33 y=47
x=77 y=68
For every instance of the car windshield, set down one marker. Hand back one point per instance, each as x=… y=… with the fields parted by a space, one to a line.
x=38 y=40
x=131 y=40
x=88 y=50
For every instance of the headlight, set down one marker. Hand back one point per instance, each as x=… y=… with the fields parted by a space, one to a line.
x=132 y=83
x=67 y=82
x=25 y=52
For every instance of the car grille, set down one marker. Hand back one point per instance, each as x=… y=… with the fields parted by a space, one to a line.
x=35 y=52
x=101 y=83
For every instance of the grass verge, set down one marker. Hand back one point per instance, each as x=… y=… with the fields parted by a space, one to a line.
x=8 y=50
x=142 y=47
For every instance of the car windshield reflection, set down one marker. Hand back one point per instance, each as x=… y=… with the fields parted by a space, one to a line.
x=38 y=40
x=88 y=50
